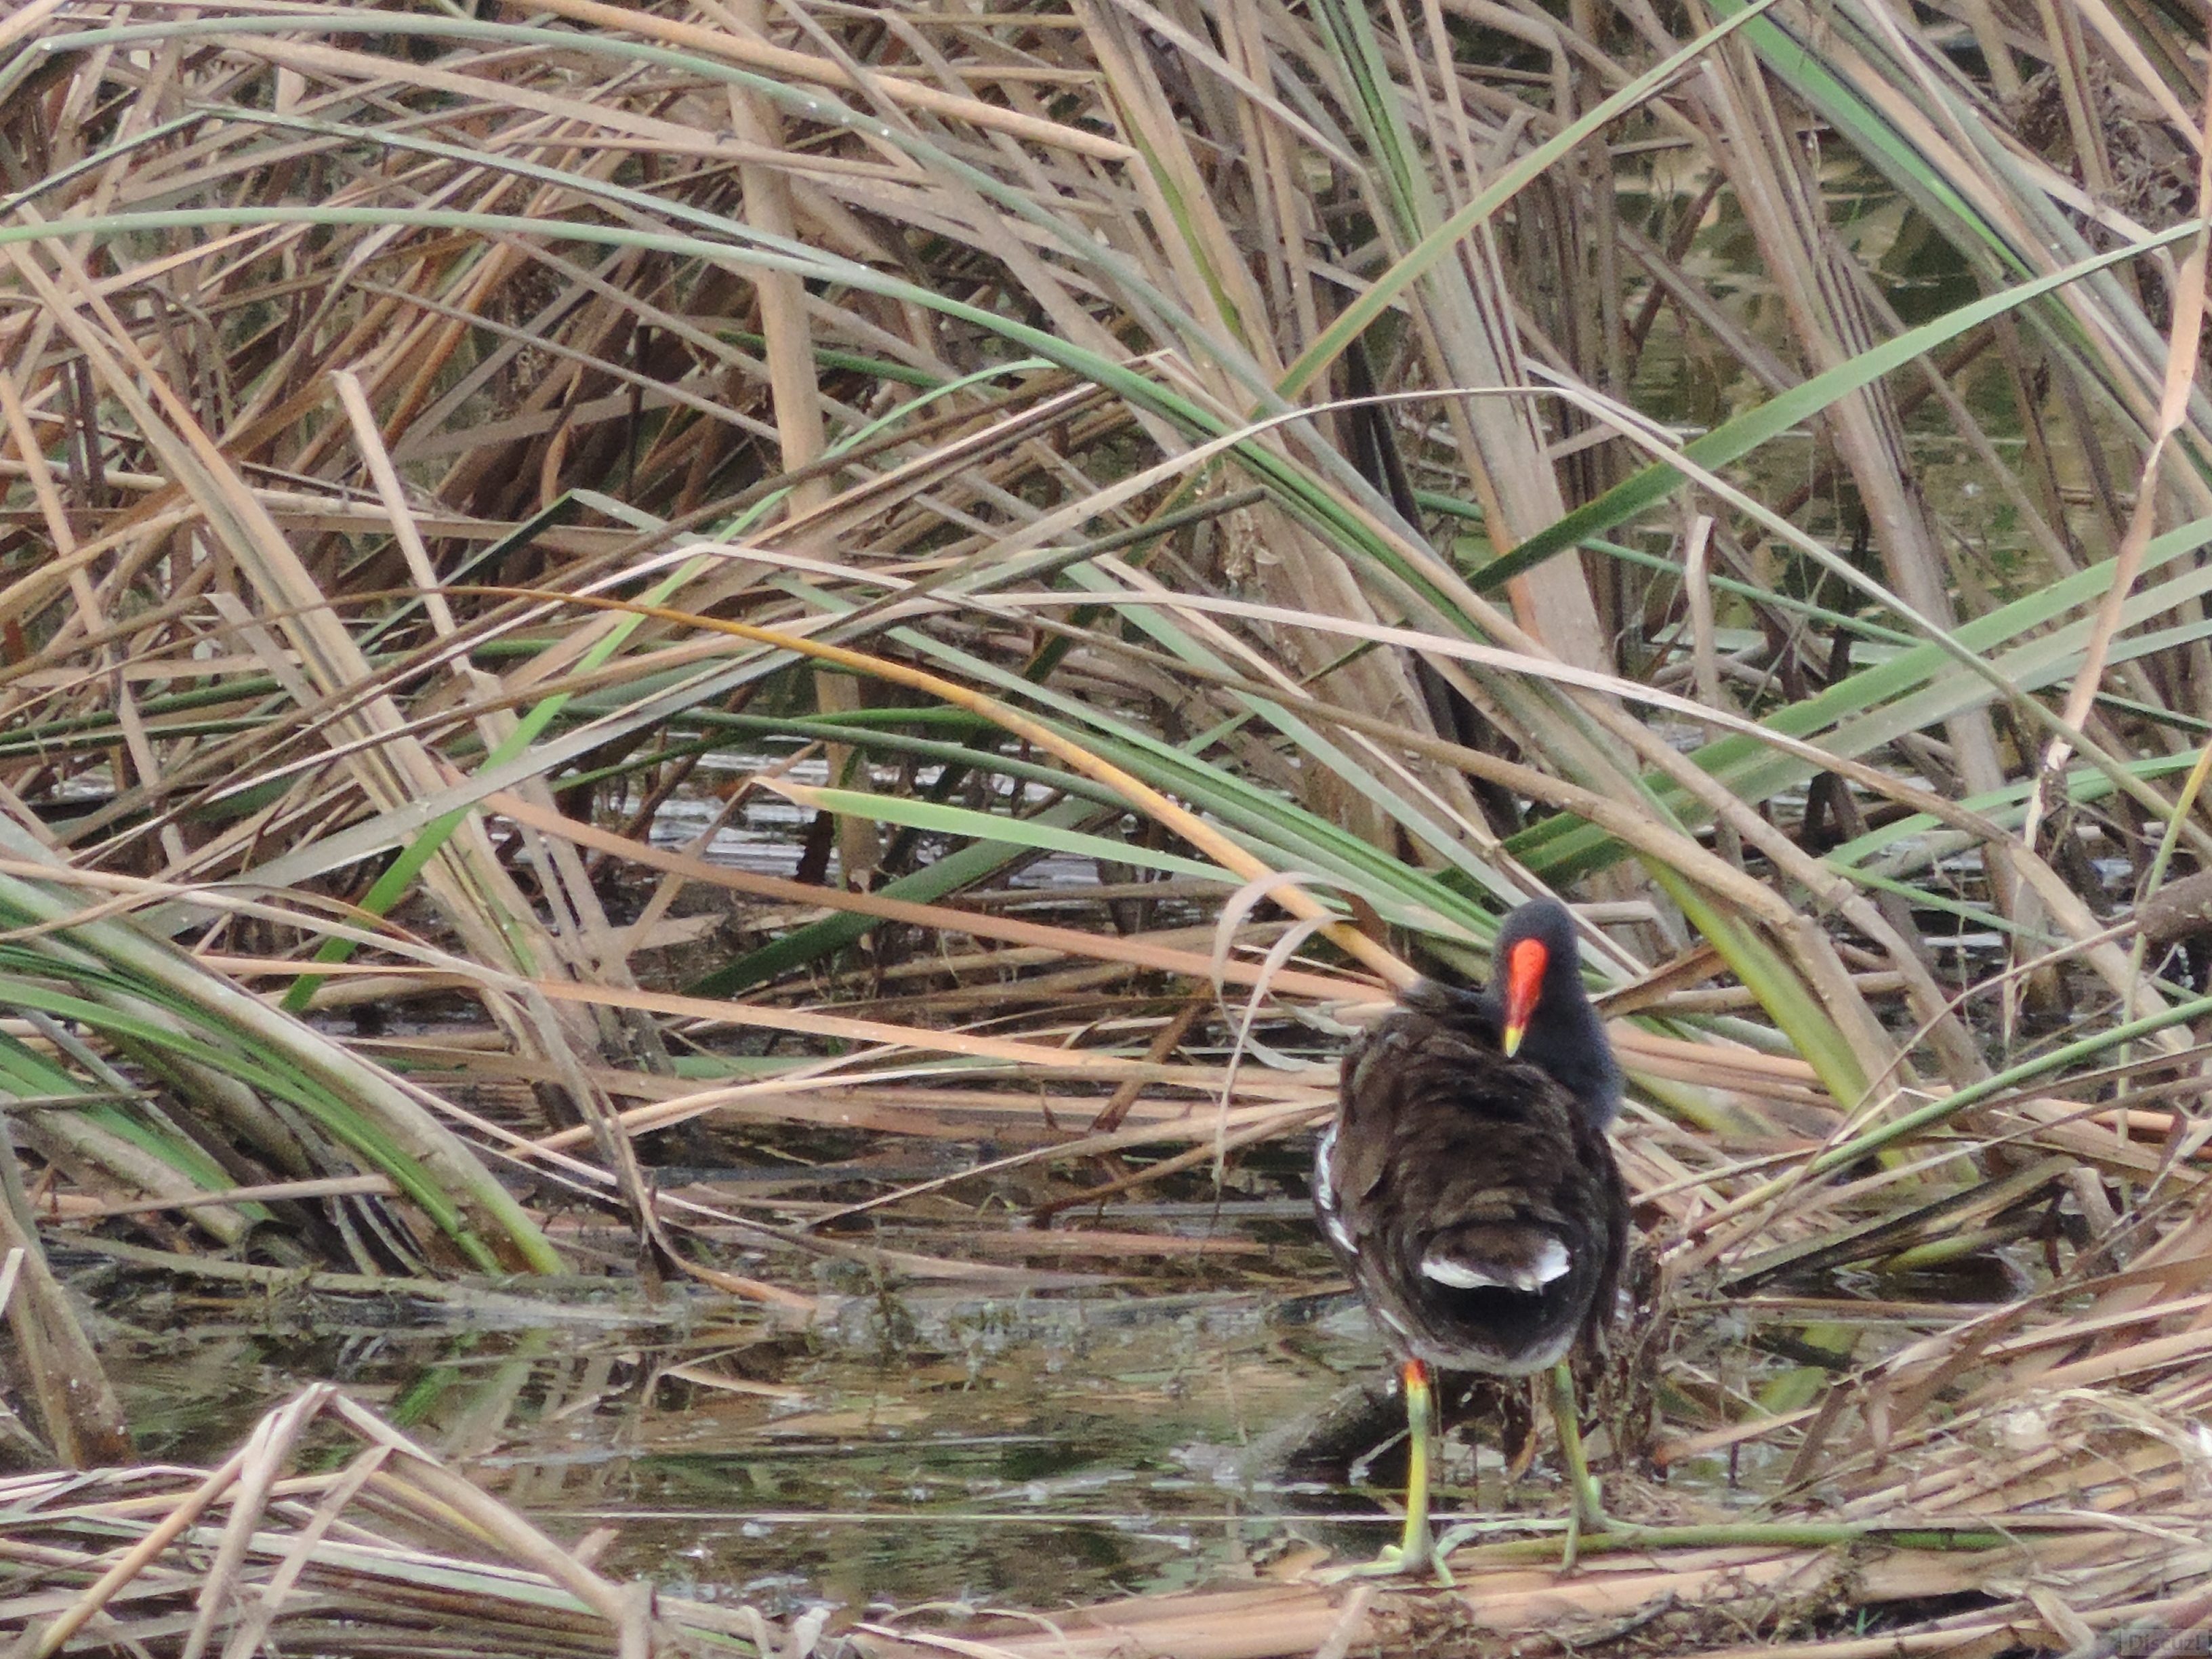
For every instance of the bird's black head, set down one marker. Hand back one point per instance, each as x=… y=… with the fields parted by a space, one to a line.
x=1543 y=1015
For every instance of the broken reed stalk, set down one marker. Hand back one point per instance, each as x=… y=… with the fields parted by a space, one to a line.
x=1628 y=1537
x=76 y=1405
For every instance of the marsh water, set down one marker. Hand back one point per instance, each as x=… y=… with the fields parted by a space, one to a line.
x=1024 y=1439
x=977 y=1443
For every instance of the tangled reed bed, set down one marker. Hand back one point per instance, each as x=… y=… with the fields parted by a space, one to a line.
x=437 y=446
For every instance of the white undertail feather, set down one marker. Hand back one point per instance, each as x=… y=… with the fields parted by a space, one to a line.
x=1550 y=1263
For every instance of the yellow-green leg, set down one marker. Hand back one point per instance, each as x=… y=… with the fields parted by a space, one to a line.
x=1415 y=1550
x=1588 y=1514
x=1416 y=1547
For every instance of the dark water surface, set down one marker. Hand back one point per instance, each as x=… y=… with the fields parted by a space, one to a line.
x=1065 y=1428
x=975 y=1441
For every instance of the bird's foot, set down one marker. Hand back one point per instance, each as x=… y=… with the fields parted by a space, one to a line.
x=1413 y=1555
x=1391 y=1564
x=1396 y=1562
x=1450 y=1540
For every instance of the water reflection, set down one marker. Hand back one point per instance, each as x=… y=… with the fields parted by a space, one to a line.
x=1145 y=1429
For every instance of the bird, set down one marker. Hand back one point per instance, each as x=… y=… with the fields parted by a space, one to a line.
x=1468 y=1188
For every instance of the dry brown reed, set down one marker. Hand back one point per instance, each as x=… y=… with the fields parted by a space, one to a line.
x=432 y=441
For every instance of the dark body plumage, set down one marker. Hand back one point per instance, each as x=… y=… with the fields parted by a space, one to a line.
x=1473 y=1198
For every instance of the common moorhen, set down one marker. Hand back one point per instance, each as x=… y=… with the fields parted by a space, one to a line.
x=1469 y=1190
